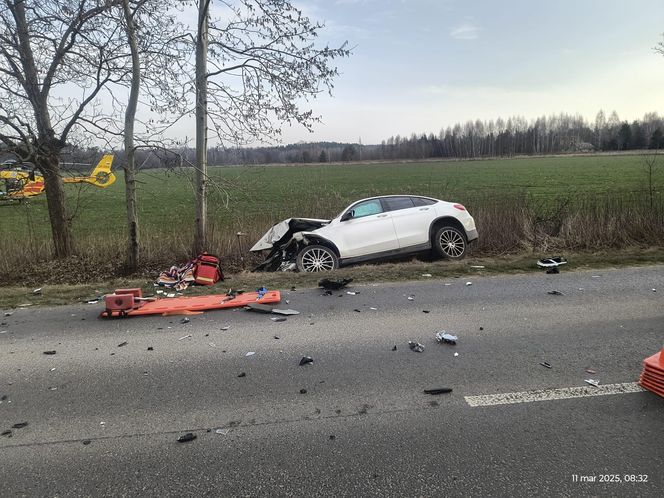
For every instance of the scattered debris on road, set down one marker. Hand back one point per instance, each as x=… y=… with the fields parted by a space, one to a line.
x=259 y=308
x=394 y=348
x=427 y=275
x=442 y=390
x=19 y=425
x=150 y=348
x=592 y=382
x=86 y=442
x=555 y=293
x=456 y=354
x=303 y=391
x=546 y=364
x=591 y=371
x=185 y=320
x=124 y=343
x=446 y=337
x=333 y=283
x=426 y=311
x=352 y=293
x=222 y=431
x=184 y=337
x=250 y=353
x=6 y=433
x=411 y=298
x=551 y=265
x=477 y=267
x=469 y=283
x=242 y=374
x=37 y=290
x=278 y=319
x=415 y=346
x=287 y=312
x=305 y=360
x=225 y=327
x=50 y=352
x=185 y=438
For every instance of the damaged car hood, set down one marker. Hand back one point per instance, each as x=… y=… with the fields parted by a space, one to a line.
x=284 y=230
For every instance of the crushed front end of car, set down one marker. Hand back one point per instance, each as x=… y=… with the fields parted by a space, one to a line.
x=284 y=240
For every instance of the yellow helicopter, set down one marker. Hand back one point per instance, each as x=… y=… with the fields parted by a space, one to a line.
x=18 y=183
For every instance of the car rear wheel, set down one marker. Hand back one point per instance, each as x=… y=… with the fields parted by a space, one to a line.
x=450 y=242
x=317 y=258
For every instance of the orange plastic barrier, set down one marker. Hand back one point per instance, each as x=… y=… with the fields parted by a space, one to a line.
x=652 y=376
x=130 y=302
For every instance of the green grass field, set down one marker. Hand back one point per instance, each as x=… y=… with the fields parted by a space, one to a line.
x=271 y=193
x=251 y=198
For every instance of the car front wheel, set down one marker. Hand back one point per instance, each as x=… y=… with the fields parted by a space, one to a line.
x=450 y=243
x=317 y=258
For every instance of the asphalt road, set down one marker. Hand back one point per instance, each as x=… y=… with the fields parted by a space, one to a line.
x=103 y=419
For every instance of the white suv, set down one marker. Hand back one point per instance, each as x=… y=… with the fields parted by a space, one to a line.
x=368 y=230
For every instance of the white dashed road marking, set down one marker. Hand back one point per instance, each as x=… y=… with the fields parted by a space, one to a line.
x=553 y=394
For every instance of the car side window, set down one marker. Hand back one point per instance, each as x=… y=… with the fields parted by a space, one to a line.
x=397 y=203
x=367 y=208
x=421 y=201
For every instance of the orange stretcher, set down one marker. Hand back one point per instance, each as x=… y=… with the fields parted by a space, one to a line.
x=652 y=376
x=130 y=302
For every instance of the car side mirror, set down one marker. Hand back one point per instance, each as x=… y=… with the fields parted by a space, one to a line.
x=347 y=215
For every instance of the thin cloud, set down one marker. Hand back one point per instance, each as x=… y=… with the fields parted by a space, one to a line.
x=466 y=31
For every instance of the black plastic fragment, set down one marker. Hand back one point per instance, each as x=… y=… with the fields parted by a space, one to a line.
x=86 y=442
x=124 y=343
x=50 y=352
x=243 y=374
x=6 y=433
x=305 y=360
x=394 y=348
x=334 y=284
x=185 y=438
x=150 y=348
x=546 y=364
x=303 y=391
x=442 y=390
x=19 y=425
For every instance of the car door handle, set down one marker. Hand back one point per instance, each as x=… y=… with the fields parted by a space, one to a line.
x=424 y=209
x=381 y=216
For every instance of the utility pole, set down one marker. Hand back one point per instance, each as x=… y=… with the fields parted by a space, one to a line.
x=200 y=223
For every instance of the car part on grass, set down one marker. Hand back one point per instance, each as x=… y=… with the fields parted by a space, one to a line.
x=442 y=390
x=415 y=346
x=334 y=283
x=592 y=382
x=185 y=438
x=130 y=302
x=446 y=337
x=305 y=360
x=552 y=262
x=546 y=364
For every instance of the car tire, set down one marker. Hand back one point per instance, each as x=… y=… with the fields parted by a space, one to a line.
x=317 y=258
x=450 y=243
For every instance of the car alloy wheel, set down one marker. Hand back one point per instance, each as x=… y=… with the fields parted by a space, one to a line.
x=317 y=258
x=451 y=243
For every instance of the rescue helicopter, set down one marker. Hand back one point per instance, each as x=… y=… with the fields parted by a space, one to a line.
x=18 y=182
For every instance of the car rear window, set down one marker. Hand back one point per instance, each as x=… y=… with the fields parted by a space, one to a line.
x=396 y=203
x=421 y=201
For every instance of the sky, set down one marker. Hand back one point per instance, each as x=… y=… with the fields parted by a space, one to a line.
x=419 y=66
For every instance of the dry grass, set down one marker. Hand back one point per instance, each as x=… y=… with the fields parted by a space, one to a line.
x=507 y=225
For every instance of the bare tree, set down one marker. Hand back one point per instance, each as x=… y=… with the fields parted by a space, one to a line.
x=46 y=45
x=264 y=66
